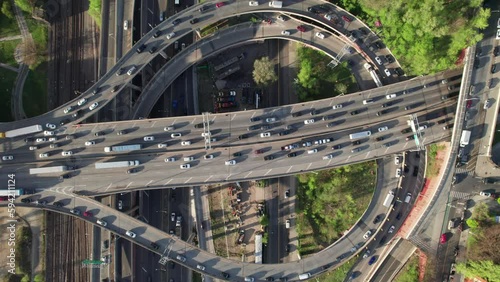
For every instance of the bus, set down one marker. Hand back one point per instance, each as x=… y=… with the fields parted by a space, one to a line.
x=360 y=134
x=13 y=192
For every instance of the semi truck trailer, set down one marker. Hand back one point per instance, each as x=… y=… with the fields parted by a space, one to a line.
x=388 y=199
x=122 y=148
x=21 y=131
x=116 y=164
x=49 y=169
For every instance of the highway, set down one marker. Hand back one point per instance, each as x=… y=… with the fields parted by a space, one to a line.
x=109 y=81
x=426 y=102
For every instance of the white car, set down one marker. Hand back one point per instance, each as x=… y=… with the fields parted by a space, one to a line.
x=338 y=106
x=149 y=138
x=50 y=126
x=398 y=172
x=68 y=109
x=7 y=158
x=487 y=104
x=38 y=140
x=131 y=70
x=328 y=157
x=93 y=106
x=308 y=121
x=270 y=119
x=485 y=194
x=170 y=35
x=125 y=24
x=391 y=230
x=387 y=72
x=130 y=234
x=313 y=151
x=208 y=157
x=169 y=160
x=48 y=133
x=33 y=148
x=265 y=134
x=162 y=145
x=185 y=143
x=176 y=135
x=67 y=153
x=206 y=134
x=320 y=35
x=82 y=101
x=232 y=93
x=89 y=143
x=43 y=155
x=281 y=18
x=230 y=162
x=498 y=34
x=379 y=61
x=285 y=32
x=188 y=159
x=396 y=160
x=185 y=166
x=328 y=17
x=253 y=3
x=168 y=128
x=367 y=234
x=390 y=96
x=52 y=139
x=52 y=146
x=120 y=204
x=383 y=128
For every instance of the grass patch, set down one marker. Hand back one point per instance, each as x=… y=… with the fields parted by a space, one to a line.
x=338 y=274
x=433 y=164
x=39 y=32
x=409 y=273
x=7 y=49
x=35 y=91
x=23 y=250
x=9 y=27
x=316 y=80
x=218 y=217
x=7 y=78
x=330 y=202
x=95 y=11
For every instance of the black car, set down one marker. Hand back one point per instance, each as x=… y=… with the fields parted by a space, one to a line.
x=381 y=113
x=193 y=21
x=377 y=219
x=152 y=50
x=284 y=132
x=336 y=147
x=264 y=127
x=225 y=274
x=141 y=48
x=406 y=130
x=176 y=22
x=269 y=278
x=99 y=133
x=399 y=71
x=237 y=154
x=385 y=105
x=58 y=204
x=355 y=112
x=314 y=112
x=154 y=246
x=115 y=88
x=77 y=113
x=329 y=117
x=415 y=171
x=297 y=114
x=65 y=176
x=253 y=127
x=494 y=68
x=378 y=45
x=199 y=125
x=331 y=124
x=379 y=138
x=120 y=71
x=357 y=142
x=203 y=9
x=64 y=121
x=26 y=200
x=441 y=121
x=95 y=91
x=389 y=59
x=496 y=51
x=287 y=248
x=243 y=136
x=382 y=241
x=157 y=33
x=254 y=119
x=132 y=171
x=268 y=158
x=291 y=155
x=398 y=216
x=411 y=137
x=477 y=63
x=29 y=139
x=313 y=10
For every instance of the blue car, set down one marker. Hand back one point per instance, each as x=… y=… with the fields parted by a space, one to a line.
x=372 y=260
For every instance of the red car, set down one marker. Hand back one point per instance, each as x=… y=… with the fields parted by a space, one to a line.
x=345 y=18
x=469 y=104
x=259 y=151
x=220 y=4
x=443 y=238
x=301 y=28
x=87 y=214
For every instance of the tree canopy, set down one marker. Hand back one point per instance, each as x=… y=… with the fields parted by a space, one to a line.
x=263 y=72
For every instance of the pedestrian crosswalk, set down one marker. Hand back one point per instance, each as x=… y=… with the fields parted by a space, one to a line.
x=460 y=170
x=461 y=195
x=422 y=245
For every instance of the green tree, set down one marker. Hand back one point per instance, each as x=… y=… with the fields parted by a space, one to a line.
x=483 y=269
x=95 y=11
x=25 y=5
x=263 y=72
x=264 y=220
x=7 y=9
x=341 y=87
x=39 y=278
x=472 y=223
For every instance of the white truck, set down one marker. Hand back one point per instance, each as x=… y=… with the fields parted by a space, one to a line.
x=49 y=169
x=388 y=199
x=21 y=131
x=116 y=164
x=464 y=140
x=122 y=148
x=276 y=4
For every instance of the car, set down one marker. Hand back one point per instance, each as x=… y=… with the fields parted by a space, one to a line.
x=125 y=25
x=219 y=4
x=357 y=142
x=176 y=21
x=285 y=32
x=48 y=133
x=225 y=275
x=270 y=119
x=487 y=104
x=346 y=19
x=389 y=59
x=291 y=155
x=157 y=33
x=307 y=144
x=494 y=66
x=366 y=254
x=301 y=28
x=367 y=234
x=185 y=143
x=58 y=204
x=93 y=106
x=50 y=126
x=7 y=158
x=87 y=214
x=33 y=148
x=496 y=51
x=175 y=135
x=390 y=96
x=242 y=136
x=377 y=219
x=372 y=260
x=185 y=166
x=485 y=194
x=131 y=70
x=253 y=3
x=237 y=154
x=68 y=109
x=194 y=20
x=265 y=134
x=230 y=162
x=141 y=48
x=115 y=88
x=355 y=112
x=52 y=139
x=443 y=238
x=120 y=204
x=320 y=35
x=82 y=102
x=66 y=153
x=398 y=172
x=312 y=151
x=149 y=138
x=284 y=132
x=355 y=150
x=498 y=34
x=130 y=234
x=268 y=158
x=38 y=140
x=309 y=121
x=387 y=72
x=328 y=157
x=155 y=246
x=338 y=106
x=380 y=138
x=337 y=147
x=379 y=60
x=391 y=230
x=383 y=128
x=170 y=35
x=43 y=155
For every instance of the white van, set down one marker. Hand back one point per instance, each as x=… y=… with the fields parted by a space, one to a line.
x=305 y=276
x=287 y=224
x=200 y=267
x=367 y=101
x=408 y=198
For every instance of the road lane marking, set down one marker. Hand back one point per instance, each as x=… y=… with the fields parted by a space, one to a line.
x=188 y=180
x=310 y=164
x=166 y=183
x=248 y=174
x=109 y=186
x=290 y=168
x=153 y=124
x=269 y=171
x=229 y=176
x=130 y=183
x=150 y=181
x=208 y=179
